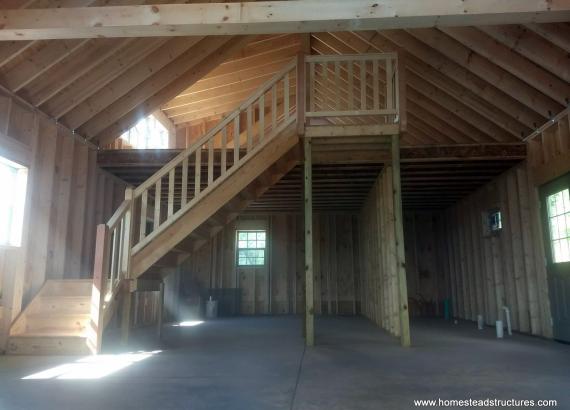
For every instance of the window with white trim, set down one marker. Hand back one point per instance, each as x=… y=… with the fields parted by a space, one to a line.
x=148 y=133
x=251 y=248
x=558 y=207
x=13 y=180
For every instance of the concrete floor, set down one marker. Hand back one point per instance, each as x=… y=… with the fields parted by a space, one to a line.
x=260 y=363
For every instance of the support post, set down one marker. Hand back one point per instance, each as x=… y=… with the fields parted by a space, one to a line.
x=126 y=314
x=400 y=251
x=301 y=94
x=100 y=273
x=160 y=311
x=308 y=193
x=126 y=268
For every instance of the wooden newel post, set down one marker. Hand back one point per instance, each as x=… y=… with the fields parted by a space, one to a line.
x=400 y=251
x=308 y=193
x=100 y=273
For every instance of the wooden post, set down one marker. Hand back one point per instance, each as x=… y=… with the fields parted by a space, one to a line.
x=125 y=273
x=101 y=265
x=400 y=86
x=308 y=191
x=160 y=310
x=400 y=252
x=301 y=94
x=126 y=314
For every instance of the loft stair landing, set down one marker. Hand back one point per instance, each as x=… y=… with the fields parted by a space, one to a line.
x=339 y=102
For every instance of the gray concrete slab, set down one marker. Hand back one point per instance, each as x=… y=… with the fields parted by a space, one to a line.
x=260 y=363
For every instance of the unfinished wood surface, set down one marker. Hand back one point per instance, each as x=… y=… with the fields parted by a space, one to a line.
x=378 y=255
x=267 y=17
x=507 y=268
x=279 y=287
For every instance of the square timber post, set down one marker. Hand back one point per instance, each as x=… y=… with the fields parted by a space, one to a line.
x=400 y=251
x=308 y=202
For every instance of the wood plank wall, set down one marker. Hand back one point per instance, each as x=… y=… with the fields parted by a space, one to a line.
x=489 y=271
x=278 y=287
x=67 y=195
x=549 y=151
x=426 y=277
x=378 y=279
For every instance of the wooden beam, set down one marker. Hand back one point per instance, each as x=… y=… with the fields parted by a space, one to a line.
x=400 y=252
x=309 y=277
x=269 y=17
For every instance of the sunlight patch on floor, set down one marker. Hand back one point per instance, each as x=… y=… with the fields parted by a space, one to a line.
x=92 y=367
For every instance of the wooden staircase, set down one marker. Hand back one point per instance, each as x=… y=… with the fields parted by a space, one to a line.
x=191 y=198
x=55 y=322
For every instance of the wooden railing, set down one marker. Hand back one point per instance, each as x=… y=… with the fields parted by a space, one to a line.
x=112 y=268
x=363 y=85
x=169 y=193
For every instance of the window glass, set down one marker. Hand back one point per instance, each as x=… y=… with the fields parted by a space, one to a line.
x=251 y=248
x=148 y=133
x=13 y=179
x=558 y=206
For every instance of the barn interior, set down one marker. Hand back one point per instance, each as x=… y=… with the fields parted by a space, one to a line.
x=277 y=205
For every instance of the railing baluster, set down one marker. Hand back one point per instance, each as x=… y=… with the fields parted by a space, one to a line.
x=363 y=85
x=337 y=84
x=210 y=161
x=114 y=259
x=261 y=126
x=171 y=176
x=236 y=141
x=184 y=193
x=286 y=96
x=223 y=164
x=157 y=201
x=389 y=87
x=197 y=172
x=350 y=85
x=273 y=107
x=120 y=250
x=312 y=87
x=249 y=124
x=144 y=207
x=376 y=84
x=325 y=81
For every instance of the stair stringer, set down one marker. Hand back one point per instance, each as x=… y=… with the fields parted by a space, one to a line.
x=165 y=240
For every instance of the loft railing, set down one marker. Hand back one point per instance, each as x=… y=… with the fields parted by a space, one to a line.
x=343 y=86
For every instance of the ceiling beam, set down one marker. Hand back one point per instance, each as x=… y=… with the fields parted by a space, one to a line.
x=268 y=17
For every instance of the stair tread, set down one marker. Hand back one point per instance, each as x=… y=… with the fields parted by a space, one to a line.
x=52 y=333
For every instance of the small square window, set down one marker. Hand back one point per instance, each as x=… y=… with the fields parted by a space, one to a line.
x=495 y=221
x=251 y=248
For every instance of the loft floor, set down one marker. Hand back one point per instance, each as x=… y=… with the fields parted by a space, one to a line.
x=260 y=363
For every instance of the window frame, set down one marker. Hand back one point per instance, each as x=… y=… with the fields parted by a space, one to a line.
x=127 y=136
x=248 y=248
x=16 y=203
x=565 y=214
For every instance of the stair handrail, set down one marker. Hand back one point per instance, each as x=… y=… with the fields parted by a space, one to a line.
x=257 y=129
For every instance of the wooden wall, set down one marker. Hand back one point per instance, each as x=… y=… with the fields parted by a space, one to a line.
x=278 y=287
x=426 y=277
x=67 y=195
x=489 y=271
x=549 y=150
x=378 y=279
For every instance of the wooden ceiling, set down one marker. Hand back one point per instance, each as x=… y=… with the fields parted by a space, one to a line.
x=465 y=84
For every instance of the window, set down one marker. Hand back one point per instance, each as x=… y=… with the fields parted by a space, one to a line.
x=558 y=206
x=251 y=248
x=495 y=221
x=147 y=133
x=13 y=179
